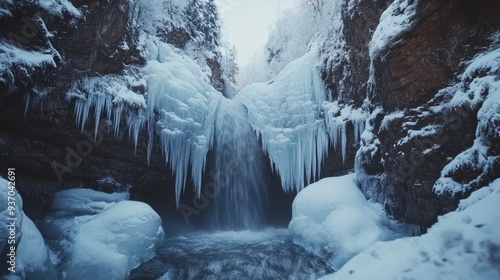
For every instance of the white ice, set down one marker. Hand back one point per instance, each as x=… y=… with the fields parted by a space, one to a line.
x=286 y=113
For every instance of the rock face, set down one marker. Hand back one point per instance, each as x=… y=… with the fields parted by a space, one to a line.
x=408 y=75
x=426 y=58
x=38 y=135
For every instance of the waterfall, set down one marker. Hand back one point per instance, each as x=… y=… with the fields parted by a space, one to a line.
x=238 y=166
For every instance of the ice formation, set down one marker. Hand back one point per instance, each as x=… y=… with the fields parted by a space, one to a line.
x=332 y=218
x=286 y=113
x=461 y=245
x=178 y=106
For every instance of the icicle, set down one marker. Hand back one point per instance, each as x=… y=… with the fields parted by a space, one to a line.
x=344 y=142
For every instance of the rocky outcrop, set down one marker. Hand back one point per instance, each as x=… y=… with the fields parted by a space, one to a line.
x=426 y=58
x=38 y=134
x=404 y=153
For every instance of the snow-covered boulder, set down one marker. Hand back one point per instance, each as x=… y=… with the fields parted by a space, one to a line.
x=99 y=235
x=31 y=256
x=332 y=218
x=114 y=241
x=463 y=245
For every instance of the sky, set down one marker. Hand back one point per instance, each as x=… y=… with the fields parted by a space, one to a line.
x=247 y=23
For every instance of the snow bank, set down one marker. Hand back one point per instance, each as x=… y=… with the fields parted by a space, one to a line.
x=332 y=218
x=462 y=245
x=286 y=113
x=98 y=235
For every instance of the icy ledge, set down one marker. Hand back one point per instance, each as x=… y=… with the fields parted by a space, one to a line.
x=461 y=245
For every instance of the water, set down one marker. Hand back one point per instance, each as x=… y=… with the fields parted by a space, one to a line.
x=242 y=196
x=266 y=254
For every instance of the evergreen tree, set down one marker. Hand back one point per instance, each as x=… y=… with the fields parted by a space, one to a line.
x=203 y=24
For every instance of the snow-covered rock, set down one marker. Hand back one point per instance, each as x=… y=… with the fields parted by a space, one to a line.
x=99 y=235
x=31 y=257
x=114 y=241
x=463 y=245
x=332 y=218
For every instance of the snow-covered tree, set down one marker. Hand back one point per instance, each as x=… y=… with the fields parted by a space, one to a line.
x=229 y=63
x=203 y=24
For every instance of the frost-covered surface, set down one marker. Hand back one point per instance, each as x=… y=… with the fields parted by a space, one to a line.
x=462 y=245
x=98 y=235
x=286 y=112
x=58 y=7
x=332 y=218
x=302 y=26
x=479 y=86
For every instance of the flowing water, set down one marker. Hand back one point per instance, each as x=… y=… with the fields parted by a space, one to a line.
x=265 y=254
x=242 y=196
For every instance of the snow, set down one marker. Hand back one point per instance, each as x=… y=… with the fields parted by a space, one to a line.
x=98 y=235
x=461 y=245
x=286 y=113
x=33 y=254
x=10 y=55
x=332 y=218
x=58 y=6
x=32 y=259
x=114 y=242
x=396 y=19
x=479 y=86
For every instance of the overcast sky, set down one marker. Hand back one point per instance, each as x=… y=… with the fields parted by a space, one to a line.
x=247 y=23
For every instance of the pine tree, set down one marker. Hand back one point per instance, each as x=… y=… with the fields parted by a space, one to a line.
x=203 y=24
